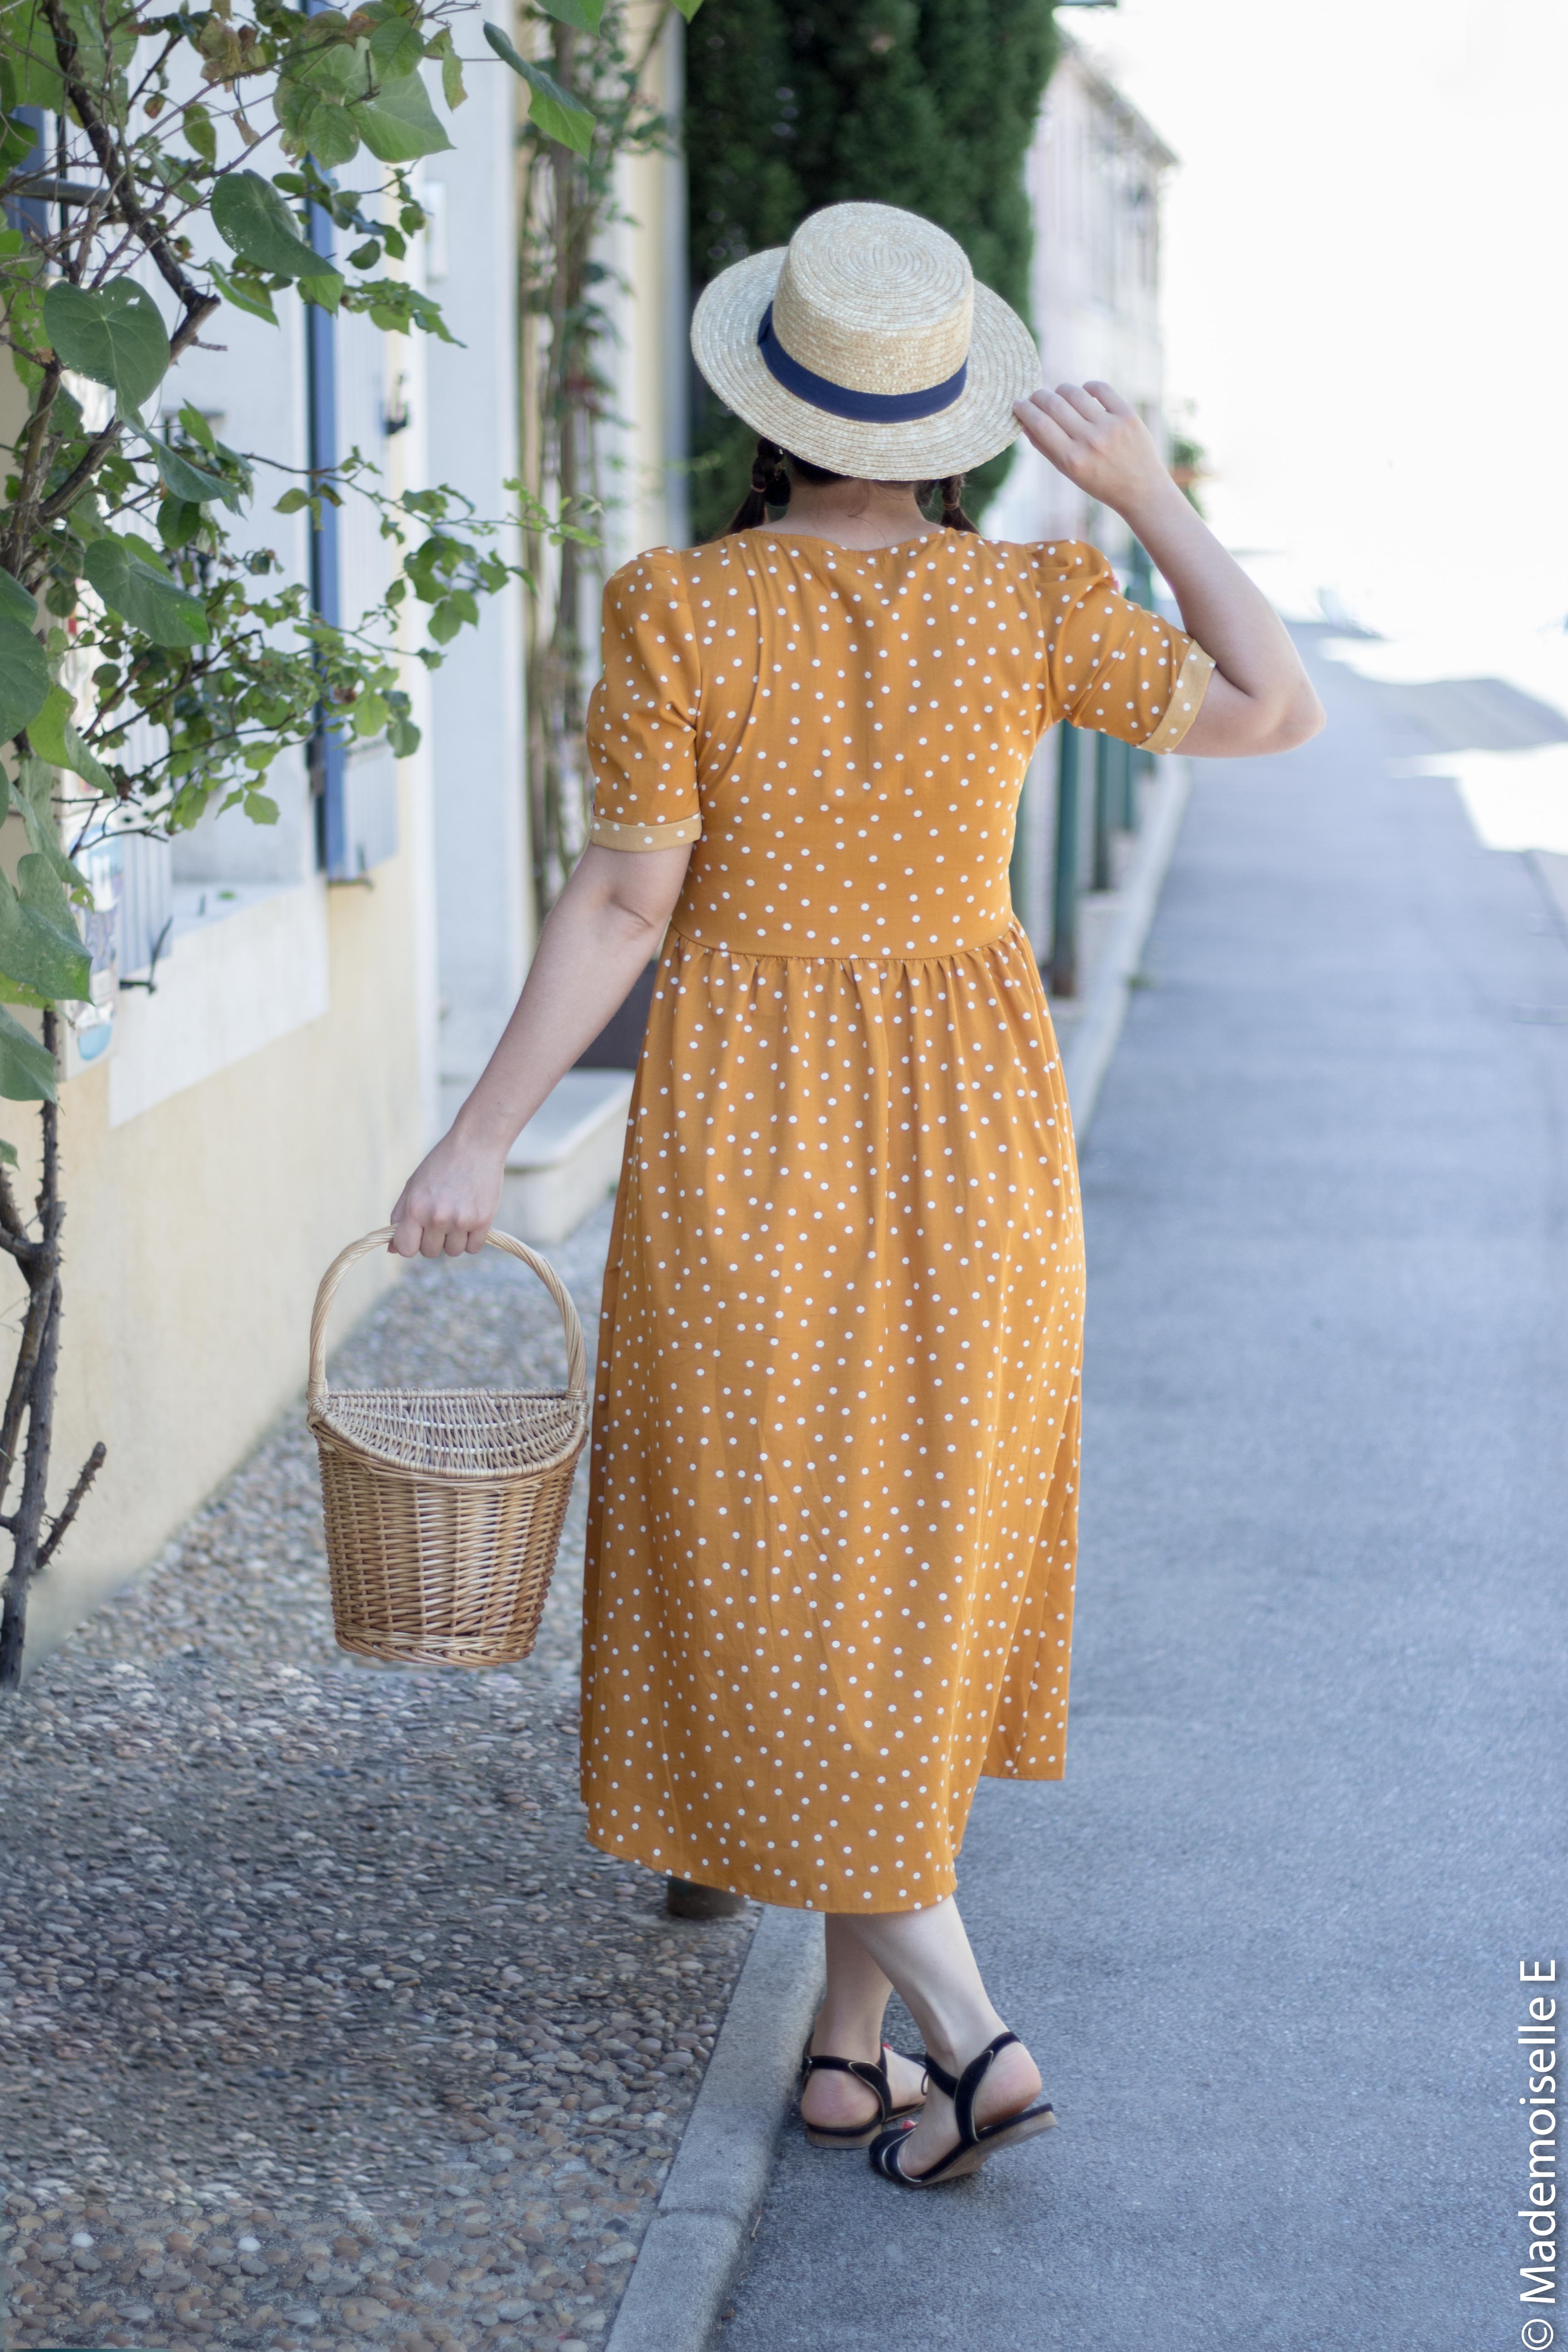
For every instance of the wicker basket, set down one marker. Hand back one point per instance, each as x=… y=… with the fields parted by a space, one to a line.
x=444 y=1505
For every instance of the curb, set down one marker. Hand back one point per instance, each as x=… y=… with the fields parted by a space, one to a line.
x=704 y=2220
x=703 y=2224
x=1093 y=1041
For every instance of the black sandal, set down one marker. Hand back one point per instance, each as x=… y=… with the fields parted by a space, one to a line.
x=873 y=2073
x=974 y=2144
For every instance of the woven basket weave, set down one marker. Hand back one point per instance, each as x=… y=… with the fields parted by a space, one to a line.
x=444 y=1505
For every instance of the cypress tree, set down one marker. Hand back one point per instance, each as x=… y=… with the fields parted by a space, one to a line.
x=794 y=104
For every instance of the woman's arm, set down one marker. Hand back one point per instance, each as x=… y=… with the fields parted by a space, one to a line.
x=599 y=934
x=1259 y=699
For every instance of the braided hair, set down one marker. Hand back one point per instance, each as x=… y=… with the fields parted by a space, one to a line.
x=772 y=469
x=770 y=487
x=952 y=515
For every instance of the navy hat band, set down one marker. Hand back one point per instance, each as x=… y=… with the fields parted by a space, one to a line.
x=841 y=399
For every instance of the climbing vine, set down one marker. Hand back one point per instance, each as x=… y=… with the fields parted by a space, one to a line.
x=598 y=60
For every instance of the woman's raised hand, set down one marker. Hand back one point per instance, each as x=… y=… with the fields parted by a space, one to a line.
x=449 y=1204
x=1098 y=441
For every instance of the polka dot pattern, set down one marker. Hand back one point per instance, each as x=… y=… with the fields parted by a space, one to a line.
x=833 y=1509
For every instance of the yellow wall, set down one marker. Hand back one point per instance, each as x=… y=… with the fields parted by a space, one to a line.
x=196 y=1234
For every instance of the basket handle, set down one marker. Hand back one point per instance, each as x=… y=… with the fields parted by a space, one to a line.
x=577 y=1353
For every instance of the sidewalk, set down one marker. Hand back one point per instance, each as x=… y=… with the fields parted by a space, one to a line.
x=1266 y=1936
x=320 y=2024
x=320 y=2021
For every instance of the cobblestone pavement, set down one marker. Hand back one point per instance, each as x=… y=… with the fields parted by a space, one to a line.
x=320 y=2023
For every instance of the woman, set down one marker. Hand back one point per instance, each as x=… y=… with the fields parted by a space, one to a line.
x=834 y=1488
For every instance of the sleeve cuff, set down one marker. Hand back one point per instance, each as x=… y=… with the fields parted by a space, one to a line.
x=608 y=835
x=1186 y=701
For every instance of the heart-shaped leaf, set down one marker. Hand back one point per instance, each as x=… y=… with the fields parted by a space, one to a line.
x=134 y=583
x=115 y=337
x=253 y=221
x=25 y=679
x=26 y=1068
x=549 y=107
x=41 y=946
x=399 y=124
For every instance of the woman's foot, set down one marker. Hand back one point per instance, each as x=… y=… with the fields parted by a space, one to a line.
x=831 y=2101
x=1012 y=2083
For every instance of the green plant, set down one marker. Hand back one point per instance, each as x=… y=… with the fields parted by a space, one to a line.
x=794 y=104
x=151 y=667
x=595 y=113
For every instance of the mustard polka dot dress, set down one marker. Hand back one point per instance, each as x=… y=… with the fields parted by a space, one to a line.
x=833 y=1509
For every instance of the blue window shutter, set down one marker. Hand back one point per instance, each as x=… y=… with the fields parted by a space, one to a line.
x=328 y=755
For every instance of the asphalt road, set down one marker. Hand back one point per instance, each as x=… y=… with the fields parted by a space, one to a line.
x=1265 y=1938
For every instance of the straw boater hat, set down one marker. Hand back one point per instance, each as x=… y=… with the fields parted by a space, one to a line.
x=866 y=347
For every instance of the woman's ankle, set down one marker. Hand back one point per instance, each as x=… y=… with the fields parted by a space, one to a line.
x=956 y=2041
x=843 y=2032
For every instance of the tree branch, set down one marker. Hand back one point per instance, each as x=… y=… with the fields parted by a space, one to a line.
x=85 y=1476
x=30 y=1508
x=22 y=1374
x=116 y=169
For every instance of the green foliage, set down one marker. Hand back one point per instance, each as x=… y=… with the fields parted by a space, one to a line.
x=115 y=337
x=550 y=109
x=41 y=946
x=256 y=223
x=114 y=556
x=54 y=735
x=573 y=197
x=583 y=15
x=26 y=1068
x=138 y=587
x=795 y=104
x=24 y=678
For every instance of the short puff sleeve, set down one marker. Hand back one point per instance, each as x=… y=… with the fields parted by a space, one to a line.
x=1112 y=666
x=642 y=715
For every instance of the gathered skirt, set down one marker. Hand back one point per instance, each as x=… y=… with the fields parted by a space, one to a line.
x=834 y=1485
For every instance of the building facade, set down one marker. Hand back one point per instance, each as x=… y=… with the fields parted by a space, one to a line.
x=1095 y=172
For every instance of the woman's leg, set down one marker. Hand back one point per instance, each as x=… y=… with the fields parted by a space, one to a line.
x=849 y=2025
x=926 y=1955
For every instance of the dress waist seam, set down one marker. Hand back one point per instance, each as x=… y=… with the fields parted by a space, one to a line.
x=1010 y=929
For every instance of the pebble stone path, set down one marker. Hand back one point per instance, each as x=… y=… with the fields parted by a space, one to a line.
x=320 y=2024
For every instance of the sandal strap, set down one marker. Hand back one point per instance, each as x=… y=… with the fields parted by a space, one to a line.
x=873 y=2073
x=962 y=2089
x=884 y=2153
